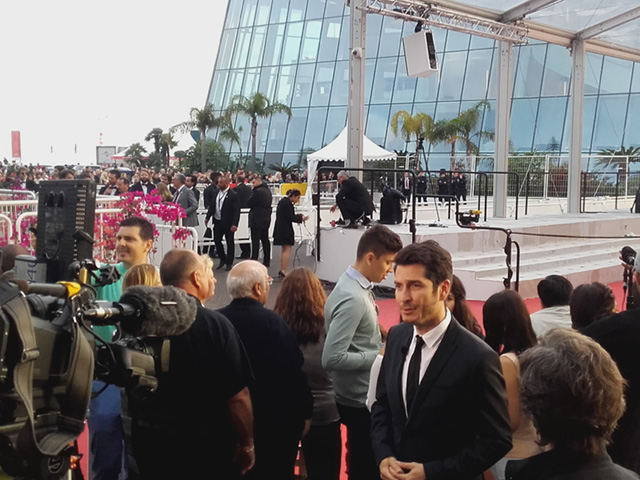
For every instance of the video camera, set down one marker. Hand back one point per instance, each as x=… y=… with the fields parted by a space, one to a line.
x=49 y=357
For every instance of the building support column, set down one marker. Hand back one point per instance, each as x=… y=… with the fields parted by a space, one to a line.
x=355 y=110
x=503 y=109
x=577 y=110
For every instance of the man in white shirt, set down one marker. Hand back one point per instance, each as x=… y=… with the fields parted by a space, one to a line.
x=441 y=406
x=554 y=292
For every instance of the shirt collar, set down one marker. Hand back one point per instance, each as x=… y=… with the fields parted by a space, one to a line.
x=354 y=274
x=434 y=336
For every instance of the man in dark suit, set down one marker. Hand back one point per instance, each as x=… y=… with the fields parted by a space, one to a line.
x=192 y=180
x=186 y=199
x=619 y=335
x=111 y=187
x=405 y=185
x=144 y=185
x=354 y=201
x=244 y=192
x=441 y=406
x=259 y=204
x=281 y=399
x=211 y=192
x=225 y=211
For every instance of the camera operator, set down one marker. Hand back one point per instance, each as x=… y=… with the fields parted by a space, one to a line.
x=631 y=277
x=107 y=459
x=199 y=422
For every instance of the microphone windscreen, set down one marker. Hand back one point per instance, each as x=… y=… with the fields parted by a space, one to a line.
x=165 y=311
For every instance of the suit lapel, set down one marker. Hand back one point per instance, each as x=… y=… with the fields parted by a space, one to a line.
x=439 y=360
x=396 y=369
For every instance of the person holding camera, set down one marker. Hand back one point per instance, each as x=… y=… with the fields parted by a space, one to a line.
x=283 y=234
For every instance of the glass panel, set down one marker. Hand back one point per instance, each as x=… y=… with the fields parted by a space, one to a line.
x=297 y=9
x=632 y=133
x=302 y=92
x=218 y=85
x=340 y=90
x=315 y=128
x=457 y=41
x=279 y=11
x=235 y=85
x=272 y=159
x=609 y=123
x=374 y=24
x=233 y=15
x=616 y=75
x=405 y=87
x=248 y=15
x=257 y=45
x=391 y=32
x=329 y=40
x=334 y=8
x=239 y=59
x=481 y=42
x=488 y=125
x=277 y=131
x=377 y=121
x=273 y=45
x=396 y=141
x=285 y=85
x=309 y=51
x=635 y=81
x=295 y=131
x=529 y=69
x=557 y=72
x=427 y=88
x=477 y=76
x=587 y=125
x=592 y=68
x=336 y=121
x=268 y=80
x=292 y=42
x=226 y=48
x=428 y=108
x=452 y=75
x=523 y=118
x=251 y=79
x=262 y=15
x=315 y=9
x=551 y=115
x=343 y=47
x=384 y=80
x=322 y=84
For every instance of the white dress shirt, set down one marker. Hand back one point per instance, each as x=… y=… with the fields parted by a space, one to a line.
x=432 y=340
x=219 y=201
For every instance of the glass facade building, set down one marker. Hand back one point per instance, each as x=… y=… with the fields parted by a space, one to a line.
x=296 y=52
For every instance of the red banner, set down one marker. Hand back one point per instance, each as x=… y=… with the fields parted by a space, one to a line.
x=15 y=145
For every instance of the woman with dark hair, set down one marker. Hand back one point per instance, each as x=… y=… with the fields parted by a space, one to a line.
x=509 y=332
x=301 y=303
x=591 y=302
x=283 y=229
x=456 y=302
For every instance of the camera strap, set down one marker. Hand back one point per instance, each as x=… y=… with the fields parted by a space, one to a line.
x=73 y=405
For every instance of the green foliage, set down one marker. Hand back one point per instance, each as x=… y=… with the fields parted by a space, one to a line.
x=134 y=154
x=155 y=135
x=216 y=158
x=618 y=158
x=285 y=168
x=155 y=161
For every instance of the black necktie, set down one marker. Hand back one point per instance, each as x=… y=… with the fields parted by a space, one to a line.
x=413 y=377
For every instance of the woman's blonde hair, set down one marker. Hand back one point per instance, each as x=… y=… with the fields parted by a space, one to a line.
x=141 y=274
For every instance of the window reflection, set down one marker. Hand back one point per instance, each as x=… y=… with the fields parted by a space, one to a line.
x=315 y=128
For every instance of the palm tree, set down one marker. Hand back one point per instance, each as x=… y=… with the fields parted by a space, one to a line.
x=230 y=134
x=156 y=136
x=448 y=131
x=413 y=128
x=256 y=106
x=203 y=120
x=134 y=154
x=167 y=142
x=617 y=157
x=180 y=155
x=468 y=132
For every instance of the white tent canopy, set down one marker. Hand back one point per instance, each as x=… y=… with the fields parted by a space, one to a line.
x=336 y=151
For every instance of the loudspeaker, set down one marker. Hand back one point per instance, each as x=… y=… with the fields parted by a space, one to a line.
x=420 y=54
x=66 y=216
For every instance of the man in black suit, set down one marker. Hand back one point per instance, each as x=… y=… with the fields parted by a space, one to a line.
x=192 y=180
x=354 y=201
x=441 y=406
x=281 y=399
x=111 y=187
x=144 y=185
x=185 y=197
x=259 y=204
x=619 y=335
x=211 y=192
x=244 y=192
x=225 y=211
x=405 y=185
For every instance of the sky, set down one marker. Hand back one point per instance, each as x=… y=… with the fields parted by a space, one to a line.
x=71 y=70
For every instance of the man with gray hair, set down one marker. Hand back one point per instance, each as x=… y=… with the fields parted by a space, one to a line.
x=282 y=401
x=353 y=200
x=186 y=199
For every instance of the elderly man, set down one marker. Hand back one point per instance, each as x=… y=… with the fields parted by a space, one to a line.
x=185 y=197
x=282 y=401
x=200 y=418
x=353 y=200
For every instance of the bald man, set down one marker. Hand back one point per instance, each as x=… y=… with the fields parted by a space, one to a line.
x=200 y=419
x=282 y=401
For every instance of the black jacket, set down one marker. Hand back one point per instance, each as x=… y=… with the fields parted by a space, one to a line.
x=260 y=207
x=353 y=189
x=210 y=194
x=230 y=212
x=244 y=192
